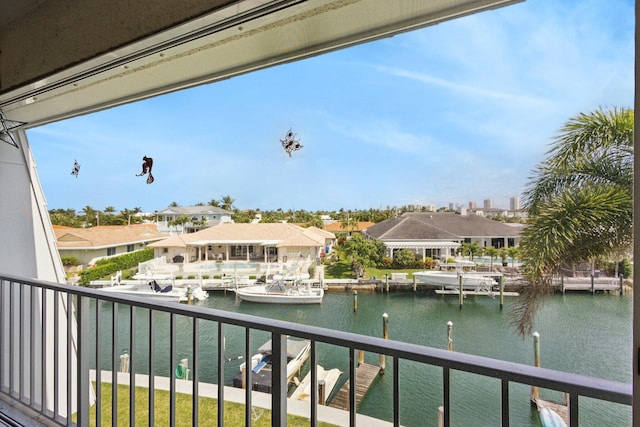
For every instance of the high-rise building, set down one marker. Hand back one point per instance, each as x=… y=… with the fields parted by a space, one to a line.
x=488 y=203
x=514 y=203
x=473 y=205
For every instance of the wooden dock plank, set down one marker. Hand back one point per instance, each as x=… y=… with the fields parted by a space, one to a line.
x=479 y=293
x=365 y=374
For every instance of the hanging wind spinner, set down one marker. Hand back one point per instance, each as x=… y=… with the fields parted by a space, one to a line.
x=290 y=143
x=76 y=168
x=147 y=165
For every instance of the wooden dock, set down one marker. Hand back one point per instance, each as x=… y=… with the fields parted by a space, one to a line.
x=365 y=374
x=479 y=293
x=597 y=287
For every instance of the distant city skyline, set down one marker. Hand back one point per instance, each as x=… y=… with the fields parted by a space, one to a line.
x=461 y=111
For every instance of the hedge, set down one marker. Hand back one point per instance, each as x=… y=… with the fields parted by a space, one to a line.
x=111 y=265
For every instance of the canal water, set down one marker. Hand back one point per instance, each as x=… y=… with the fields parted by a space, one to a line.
x=580 y=333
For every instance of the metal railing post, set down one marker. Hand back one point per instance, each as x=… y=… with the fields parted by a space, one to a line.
x=82 y=376
x=279 y=380
x=221 y=357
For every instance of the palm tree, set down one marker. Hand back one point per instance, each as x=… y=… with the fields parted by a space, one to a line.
x=227 y=203
x=493 y=253
x=214 y=203
x=472 y=248
x=513 y=253
x=579 y=201
x=349 y=224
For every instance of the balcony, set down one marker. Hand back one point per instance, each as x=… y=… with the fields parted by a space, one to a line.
x=48 y=360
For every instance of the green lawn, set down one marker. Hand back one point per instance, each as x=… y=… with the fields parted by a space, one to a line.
x=342 y=270
x=207 y=409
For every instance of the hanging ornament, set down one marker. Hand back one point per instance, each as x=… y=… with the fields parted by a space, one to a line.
x=147 y=165
x=6 y=126
x=76 y=168
x=290 y=143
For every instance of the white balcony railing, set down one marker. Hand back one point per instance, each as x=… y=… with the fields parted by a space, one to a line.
x=46 y=357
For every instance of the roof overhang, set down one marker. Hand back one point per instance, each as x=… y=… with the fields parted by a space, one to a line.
x=240 y=38
x=205 y=242
x=423 y=244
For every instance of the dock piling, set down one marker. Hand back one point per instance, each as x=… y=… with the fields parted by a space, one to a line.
x=385 y=335
x=321 y=393
x=450 y=335
x=124 y=362
x=461 y=296
x=535 y=392
x=593 y=285
x=355 y=301
x=501 y=291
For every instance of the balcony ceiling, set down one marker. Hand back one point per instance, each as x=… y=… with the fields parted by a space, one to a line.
x=59 y=59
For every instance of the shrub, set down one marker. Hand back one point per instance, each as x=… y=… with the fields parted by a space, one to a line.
x=624 y=268
x=191 y=277
x=405 y=258
x=386 y=263
x=70 y=260
x=178 y=277
x=428 y=263
x=108 y=266
x=312 y=270
x=205 y=277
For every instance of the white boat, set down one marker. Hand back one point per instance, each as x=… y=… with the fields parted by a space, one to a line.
x=166 y=293
x=330 y=378
x=446 y=278
x=152 y=289
x=282 y=291
x=261 y=366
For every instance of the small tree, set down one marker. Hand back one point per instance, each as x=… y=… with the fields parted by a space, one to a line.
x=512 y=252
x=181 y=220
x=363 y=253
x=493 y=253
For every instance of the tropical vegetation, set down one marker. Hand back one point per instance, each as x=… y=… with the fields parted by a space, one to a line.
x=579 y=201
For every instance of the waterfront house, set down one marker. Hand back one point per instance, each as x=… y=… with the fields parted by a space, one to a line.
x=200 y=217
x=258 y=242
x=438 y=235
x=91 y=244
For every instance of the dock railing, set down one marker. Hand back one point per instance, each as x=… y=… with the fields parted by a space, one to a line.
x=32 y=358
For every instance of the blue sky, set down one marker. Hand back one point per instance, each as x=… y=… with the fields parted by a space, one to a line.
x=458 y=112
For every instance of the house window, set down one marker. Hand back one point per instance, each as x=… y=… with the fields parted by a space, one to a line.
x=165 y=250
x=241 y=250
x=497 y=243
x=131 y=248
x=111 y=251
